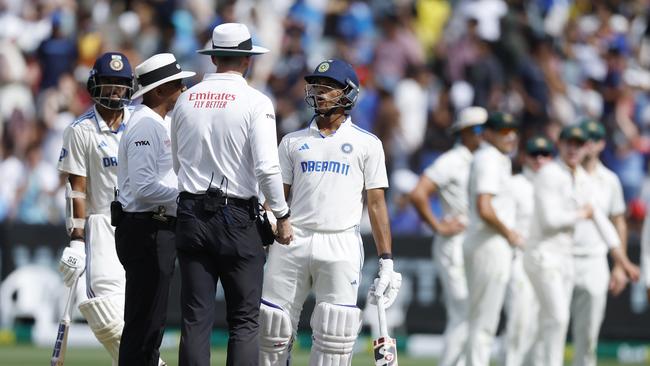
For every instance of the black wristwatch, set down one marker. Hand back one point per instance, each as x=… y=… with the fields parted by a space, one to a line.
x=386 y=256
x=286 y=216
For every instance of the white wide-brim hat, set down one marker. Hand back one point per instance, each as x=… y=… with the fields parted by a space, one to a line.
x=157 y=70
x=468 y=117
x=232 y=39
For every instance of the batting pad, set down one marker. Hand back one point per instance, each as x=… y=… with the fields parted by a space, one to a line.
x=335 y=329
x=105 y=320
x=275 y=335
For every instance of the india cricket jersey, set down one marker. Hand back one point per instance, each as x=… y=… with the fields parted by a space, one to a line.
x=90 y=150
x=328 y=175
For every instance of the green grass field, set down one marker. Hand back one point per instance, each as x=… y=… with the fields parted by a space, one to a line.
x=23 y=355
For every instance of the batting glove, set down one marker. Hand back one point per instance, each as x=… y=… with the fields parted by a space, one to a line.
x=386 y=284
x=73 y=262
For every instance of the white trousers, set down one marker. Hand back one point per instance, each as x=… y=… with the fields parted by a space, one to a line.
x=105 y=275
x=551 y=275
x=327 y=263
x=449 y=262
x=588 y=306
x=487 y=265
x=522 y=310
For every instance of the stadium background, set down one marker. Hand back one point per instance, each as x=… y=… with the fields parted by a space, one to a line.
x=550 y=62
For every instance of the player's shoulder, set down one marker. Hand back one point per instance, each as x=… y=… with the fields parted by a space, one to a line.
x=607 y=173
x=295 y=137
x=86 y=120
x=363 y=134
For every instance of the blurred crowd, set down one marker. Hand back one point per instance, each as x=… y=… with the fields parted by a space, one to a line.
x=549 y=62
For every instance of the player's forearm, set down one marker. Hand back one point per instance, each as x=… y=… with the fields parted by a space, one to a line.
x=486 y=213
x=621 y=228
x=78 y=184
x=379 y=221
x=421 y=204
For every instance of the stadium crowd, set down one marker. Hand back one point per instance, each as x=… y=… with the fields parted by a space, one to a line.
x=549 y=62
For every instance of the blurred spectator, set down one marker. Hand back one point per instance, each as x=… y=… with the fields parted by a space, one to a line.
x=58 y=53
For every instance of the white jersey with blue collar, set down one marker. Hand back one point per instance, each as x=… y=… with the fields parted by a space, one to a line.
x=328 y=175
x=90 y=150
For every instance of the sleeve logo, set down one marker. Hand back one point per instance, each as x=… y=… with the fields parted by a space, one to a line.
x=63 y=154
x=142 y=143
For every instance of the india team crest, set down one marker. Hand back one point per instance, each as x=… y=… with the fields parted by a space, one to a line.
x=116 y=64
x=323 y=67
x=347 y=148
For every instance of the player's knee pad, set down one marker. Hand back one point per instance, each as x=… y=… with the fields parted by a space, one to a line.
x=276 y=335
x=335 y=329
x=106 y=321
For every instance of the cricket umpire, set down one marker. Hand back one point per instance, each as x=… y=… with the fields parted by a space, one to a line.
x=224 y=149
x=144 y=236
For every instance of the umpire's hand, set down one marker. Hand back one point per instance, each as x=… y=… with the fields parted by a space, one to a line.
x=284 y=234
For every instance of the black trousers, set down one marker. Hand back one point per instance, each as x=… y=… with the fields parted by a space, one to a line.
x=146 y=248
x=223 y=245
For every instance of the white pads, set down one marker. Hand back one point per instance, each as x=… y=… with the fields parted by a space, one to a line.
x=335 y=329
x=106 y=321
x=275 y=335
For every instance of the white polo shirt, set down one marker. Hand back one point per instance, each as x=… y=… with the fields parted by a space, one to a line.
x=607 y=196
x=221 y=127
x=490 y=173
x=90 y=150
x=328 y=175
x=523 y=193
x=558 y=196
x=145 y=176
x=450 y=173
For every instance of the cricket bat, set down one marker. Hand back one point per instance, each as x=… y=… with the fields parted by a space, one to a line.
x=385 y=347
x=61 y=344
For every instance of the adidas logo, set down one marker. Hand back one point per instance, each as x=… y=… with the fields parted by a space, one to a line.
x=353 y=282
x=103 y=144
x=303 y=147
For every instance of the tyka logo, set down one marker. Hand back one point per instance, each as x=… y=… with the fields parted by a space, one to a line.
x=142 y=143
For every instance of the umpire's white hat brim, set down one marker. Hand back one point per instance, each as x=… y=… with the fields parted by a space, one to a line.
x=232 y=39
x=157 y=70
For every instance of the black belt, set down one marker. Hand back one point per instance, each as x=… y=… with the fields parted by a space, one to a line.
x=239 y=202
x=164 y=220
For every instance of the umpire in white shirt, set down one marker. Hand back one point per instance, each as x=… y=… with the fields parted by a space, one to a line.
x=225 y=150
x=144 y=235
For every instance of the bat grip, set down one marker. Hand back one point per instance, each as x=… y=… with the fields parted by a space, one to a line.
x=381 y=314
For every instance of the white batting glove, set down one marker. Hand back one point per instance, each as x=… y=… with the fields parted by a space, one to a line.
x=73 y=262
x=387 y=284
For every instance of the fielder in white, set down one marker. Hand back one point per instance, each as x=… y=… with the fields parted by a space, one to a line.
x=592 y=277
x=89 y=157
x=326 y=168
x=448 y=176
x=521 y=303
x=490 y=236
x=563 y=195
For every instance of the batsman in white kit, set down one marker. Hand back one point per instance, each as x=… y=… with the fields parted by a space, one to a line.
x=326 y=168
x=89 y=157
x=448 y=176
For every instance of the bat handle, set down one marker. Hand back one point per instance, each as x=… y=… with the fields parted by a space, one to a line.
x=68 y=303
x=381 y=314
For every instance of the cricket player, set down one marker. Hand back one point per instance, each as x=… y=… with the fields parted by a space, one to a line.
x=448 y=176
x=490 y=236
x=521 y=303
x=89 y=157
x=592 y=278
x=563 y=197
x=326 y=168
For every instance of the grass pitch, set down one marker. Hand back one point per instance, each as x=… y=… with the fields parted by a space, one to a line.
x=24 y=355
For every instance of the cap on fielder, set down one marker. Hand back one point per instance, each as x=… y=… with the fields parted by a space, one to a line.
x=595 y=130
x=469 y=117
x=573 y=132
x=539 y=144
x=232 y=39
x=501 y=120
